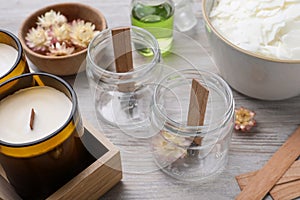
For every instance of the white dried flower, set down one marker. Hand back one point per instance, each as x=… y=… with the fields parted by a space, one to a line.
x=82 y=33
x=169 y=147
x=51 y=18
x=61 y=32
x=58 y=49
x=38 y=39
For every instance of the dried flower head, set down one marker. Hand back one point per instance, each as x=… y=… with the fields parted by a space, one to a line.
x=51 y=18
x=61 y=33
x=82 y=33
x=170 y=147
x=244 y=119
x=58 y=49
x=38 y=39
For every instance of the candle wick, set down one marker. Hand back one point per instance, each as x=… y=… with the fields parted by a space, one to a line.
x=31 y=119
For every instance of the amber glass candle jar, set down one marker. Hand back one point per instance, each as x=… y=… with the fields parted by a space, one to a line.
x=40 y=150
x=12 y=58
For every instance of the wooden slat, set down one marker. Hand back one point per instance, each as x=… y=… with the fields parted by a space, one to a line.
x=123 y=55
x=292 y=174
x=197 y=107
x=198 y=102
x=122 y=49
x=286 y=191
x=273 y=170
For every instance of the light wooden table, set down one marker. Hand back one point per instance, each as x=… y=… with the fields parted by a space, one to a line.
x=248 y=151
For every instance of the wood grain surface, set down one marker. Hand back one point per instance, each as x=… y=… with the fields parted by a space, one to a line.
x=276 y=120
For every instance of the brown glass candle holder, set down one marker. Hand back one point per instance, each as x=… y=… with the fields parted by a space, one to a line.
x=20 y=65
x=37 y=169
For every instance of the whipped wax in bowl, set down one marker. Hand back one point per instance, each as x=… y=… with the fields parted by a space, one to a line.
x=256 y=45
x=267 y=27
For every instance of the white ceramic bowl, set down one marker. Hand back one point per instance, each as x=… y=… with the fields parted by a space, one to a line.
x=249 y=73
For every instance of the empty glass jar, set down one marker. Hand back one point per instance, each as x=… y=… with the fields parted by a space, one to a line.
x=123 y=108
x=173 y=147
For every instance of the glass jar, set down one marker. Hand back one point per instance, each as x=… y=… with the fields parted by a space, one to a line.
x=185 y=18
x=156 y=16
x=174 y=150
x=18 y=65
x=123 y=108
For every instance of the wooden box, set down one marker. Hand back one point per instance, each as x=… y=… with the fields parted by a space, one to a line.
x=93 y=181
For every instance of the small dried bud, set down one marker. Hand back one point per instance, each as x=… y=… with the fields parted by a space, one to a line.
x=244 y=119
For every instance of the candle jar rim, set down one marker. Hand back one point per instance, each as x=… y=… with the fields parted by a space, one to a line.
x=182 y=129
x=122 y=77
x=74 y=107
x=20 y=51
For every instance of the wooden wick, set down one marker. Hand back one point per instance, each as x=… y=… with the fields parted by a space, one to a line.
x=286 y=191
x=292 y=174
x=197 y=108
x=273 y=170
x=123 y=55
x=122 y=49
x=31 y=123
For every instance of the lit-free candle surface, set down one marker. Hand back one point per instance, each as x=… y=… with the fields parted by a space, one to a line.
x=8 y=57
x=52 y=109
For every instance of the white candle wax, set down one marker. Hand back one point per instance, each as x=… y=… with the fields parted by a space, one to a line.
x=8 y=57
x=52 y=109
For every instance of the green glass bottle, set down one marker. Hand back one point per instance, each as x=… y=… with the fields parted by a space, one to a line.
x=156 y=16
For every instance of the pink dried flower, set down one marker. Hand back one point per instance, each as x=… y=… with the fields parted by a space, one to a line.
x=38 y=39
x=58 y=49
x=51 y=18
x=82 y=33
x=244 y=119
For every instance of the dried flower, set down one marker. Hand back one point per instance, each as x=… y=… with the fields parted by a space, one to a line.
x=54 y=36
x=82 y=33
x=38 y=39
x=58 y=49
x=244 y=119
x=61 y=33
x=169 y=147
x=51 y=18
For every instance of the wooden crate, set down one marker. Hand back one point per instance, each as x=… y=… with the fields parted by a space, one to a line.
x=92 y=182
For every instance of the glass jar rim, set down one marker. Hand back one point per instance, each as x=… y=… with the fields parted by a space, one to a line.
x=20 y=51
x=68 y=121
x=183 y=129
x=147 y=67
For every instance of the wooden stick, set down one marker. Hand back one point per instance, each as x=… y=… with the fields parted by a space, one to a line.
x=286 y=191
x=273 y=170
x=122 y=49
x=197 y=107
x=123 y=55
x=292 y=174
x=31 y=123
